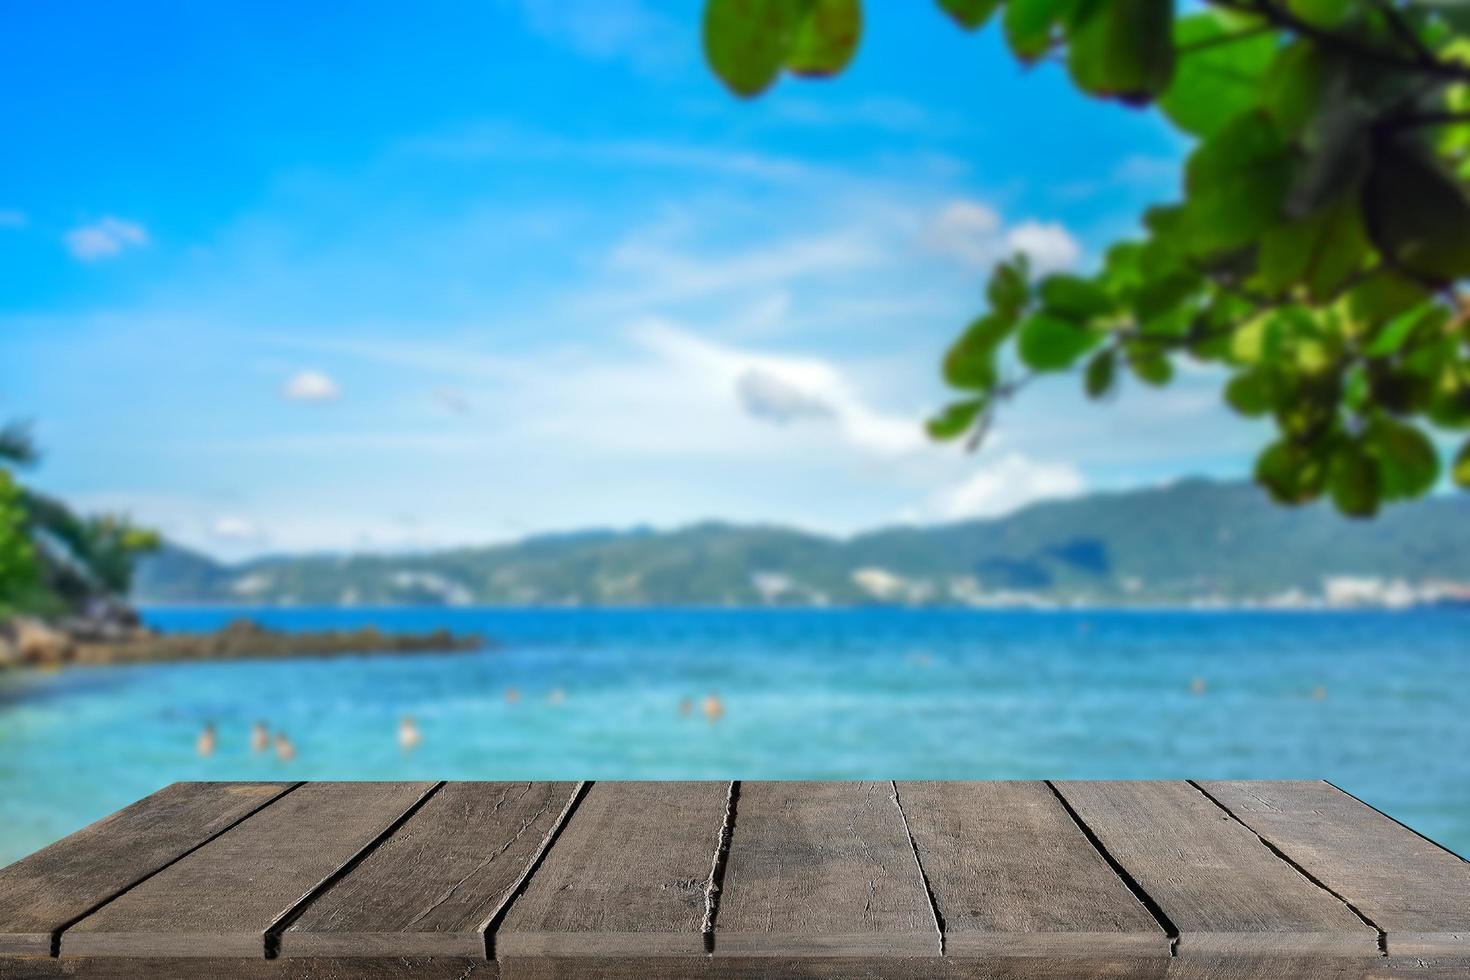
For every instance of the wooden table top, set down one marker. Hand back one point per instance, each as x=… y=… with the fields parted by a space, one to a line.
x=750 y=879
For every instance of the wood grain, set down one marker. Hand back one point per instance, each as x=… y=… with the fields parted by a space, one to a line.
x=1415 y=891
x=221 y=899
x=822 y=869
x=1221 y=887
x=55 y=886
x=213 y=968
x=626 y=877
x=430 y=889
x=1012 y=875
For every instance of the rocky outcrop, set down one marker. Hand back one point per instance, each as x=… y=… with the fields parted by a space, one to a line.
x=30 y=643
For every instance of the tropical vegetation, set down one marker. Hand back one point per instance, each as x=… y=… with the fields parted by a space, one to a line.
x=1315 y=256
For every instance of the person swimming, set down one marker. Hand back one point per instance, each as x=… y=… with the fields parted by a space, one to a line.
x=207 y=741
x=260 y=738
x=557 y=695
x=686 y=707
x=512 y=695
x=714 y=708
x=285 y=751
x=409 y=735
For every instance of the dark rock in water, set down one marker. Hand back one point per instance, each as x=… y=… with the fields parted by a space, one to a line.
x=100 y=640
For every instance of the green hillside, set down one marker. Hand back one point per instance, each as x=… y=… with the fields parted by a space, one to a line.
x=1195 y=541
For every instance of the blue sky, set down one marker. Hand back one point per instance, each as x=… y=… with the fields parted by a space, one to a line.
x=280 y=278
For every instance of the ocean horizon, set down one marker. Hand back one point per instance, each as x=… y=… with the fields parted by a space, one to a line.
x=1365 y=699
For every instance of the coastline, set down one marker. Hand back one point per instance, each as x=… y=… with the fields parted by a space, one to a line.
x=29 y=643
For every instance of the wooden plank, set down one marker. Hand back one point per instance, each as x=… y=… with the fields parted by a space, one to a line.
x=210 y=968
x=1221 y=887
x=626 y=877
x=1012 y=875
x=431 y=888
x=54 y=887
x=1415 y=891
x=222 y=899
x=822 y=869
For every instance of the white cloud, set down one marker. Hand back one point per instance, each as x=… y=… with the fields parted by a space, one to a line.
x=781 y=388
x=973 y=233
x=1050 y=246
x=311 y=386
x=11 y=218
x=765 y=396
x=105 y=238
x=232 y=529
x=1003 y=484
x=966 y=230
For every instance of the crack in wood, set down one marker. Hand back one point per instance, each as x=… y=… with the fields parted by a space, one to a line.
x=1144 y=898
x=497 y=916
x=1268 y=845
x=57 y=932
x=923 y=875
x=272 y=935
x=717 y=867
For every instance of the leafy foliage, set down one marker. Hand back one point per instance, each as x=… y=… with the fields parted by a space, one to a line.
x=19 y=570
x=1316 y=255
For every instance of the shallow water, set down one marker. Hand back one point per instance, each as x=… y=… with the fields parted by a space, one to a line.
x=814 y=694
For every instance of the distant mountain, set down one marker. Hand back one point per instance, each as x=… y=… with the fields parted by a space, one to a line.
x=1193 y=542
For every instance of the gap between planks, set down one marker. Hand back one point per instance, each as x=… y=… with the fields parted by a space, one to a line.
x=493 y=920
x=1144 y=898
x=272 y=936
x=923 y=875
x=1286 y=858
x=59 y=930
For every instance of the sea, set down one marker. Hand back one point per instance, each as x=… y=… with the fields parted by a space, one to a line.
x=1376 y=702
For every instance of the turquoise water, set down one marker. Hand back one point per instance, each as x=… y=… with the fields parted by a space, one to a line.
x=818 y=694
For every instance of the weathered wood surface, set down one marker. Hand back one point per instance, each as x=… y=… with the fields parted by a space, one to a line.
x=1013 y=875
x=822 y=869
x=56 y=886
x=627 y=876
x=222 y=899
x=1207 y=881
x=434 y=886
x=1363 y=856
x=1220 y=887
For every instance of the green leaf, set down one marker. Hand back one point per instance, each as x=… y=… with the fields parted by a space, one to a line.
x=1318 y=253
x=1384 y=295
x=1416 y=214
x=970 y=363
x=1029 y=25
x=1294 y=84
x=1321 y=13
x=1073 y=297
x=746 y=41
x=826 y=38
x=1408 y=462
x=1396 y=332
x=1122 y=48
x=1151 y=366
x=1354 y=478
x=970 y=13
x=1292 y=474
x=1102 y=374
x=1009 y=289
x=956 y=419
x=1221 y=61
x=1460 y=470
x=1049 y=343
x=1251 y=393
x=1236 y=184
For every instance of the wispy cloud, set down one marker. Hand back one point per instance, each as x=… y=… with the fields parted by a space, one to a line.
x=973 y=233
x=1001 y=484
x=311 y=386
x=105 y=238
